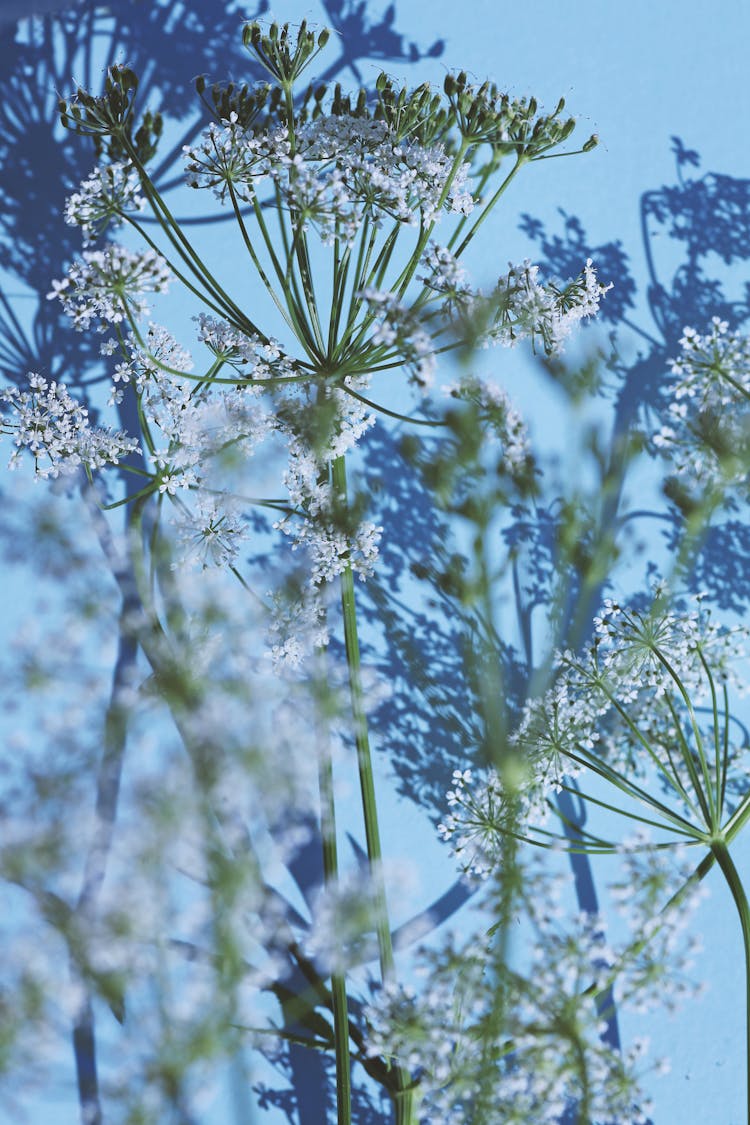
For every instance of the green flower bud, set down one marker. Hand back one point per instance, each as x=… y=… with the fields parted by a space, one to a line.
x=567 y=128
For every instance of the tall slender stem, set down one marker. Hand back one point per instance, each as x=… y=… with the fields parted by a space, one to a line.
x=404 y=1096
x=732 y=876
x=338 y=979
x=362 y=739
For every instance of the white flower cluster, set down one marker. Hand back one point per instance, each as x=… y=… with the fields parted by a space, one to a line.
x=446 y=276
x=620 y=707
x=479 y=809
x=340 y=168
x=228 y=154
x=108 y=285
x=650 y=652
x=319 y=523
x=145 y=361
x=250 y=356
x=520 y=308
x=55 y=429
x=298 y=627
x=546 y=1054
x=399 y=327
x=198 y=426
x=211 y=533
x=495 y=407
x=332 y=547
x=648 y=878
x=707 y=428
x=530 y=310
x=103 y=197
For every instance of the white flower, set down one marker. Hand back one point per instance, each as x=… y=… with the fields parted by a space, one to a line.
x=530 y=310
x=210 y=534
x=400 y=328
x=103 y=197
x=55 y=428
x=707 y=424
x=108 y=285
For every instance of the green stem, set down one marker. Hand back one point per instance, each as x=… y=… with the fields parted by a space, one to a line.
x=362 y=739
x=404 y=1095
x=731 y=874
x=520 y=161
x=338 y=979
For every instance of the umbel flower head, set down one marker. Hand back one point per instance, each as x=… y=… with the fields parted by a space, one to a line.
x=108 y=285
x=626 y=712
x=55 y=429
x=524 y=1043
x=103 y=198
x=706 y=431
x=352 y=174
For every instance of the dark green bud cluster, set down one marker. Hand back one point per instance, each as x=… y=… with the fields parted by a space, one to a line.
x=418 y=114
x=110 y=117
x=282 y=54
x=511 y=126
x=255 y=106
x=343 y=105
x=311 y=104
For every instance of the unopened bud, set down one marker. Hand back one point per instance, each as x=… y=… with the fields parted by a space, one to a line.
x=251 y=34
x=567 y=128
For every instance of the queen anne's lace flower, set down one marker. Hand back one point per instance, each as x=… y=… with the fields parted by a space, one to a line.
x=248 y=355
x=620 y=706
x=341 y=167
x=103 y=197
x=545 y=1054
x=332 y=547
x=529 y=310
x=55 y=429
x=211 y=533
x=108 y=285
x=707 y=425
x=399 y=327
x=496 y=409
x=228 y=154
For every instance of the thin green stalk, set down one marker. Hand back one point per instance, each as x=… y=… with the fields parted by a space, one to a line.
x=714 y=822
x=185 y=248
x=520 y=161
x=338 y=979
x=367 y=239
x=404 y=1096
x=673 y=779
x=732 y=876
x=254 y=257
x=341 y=265
x=362 y=739
x=719 y=759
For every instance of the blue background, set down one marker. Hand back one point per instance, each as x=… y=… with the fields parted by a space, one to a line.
x=639 y=75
